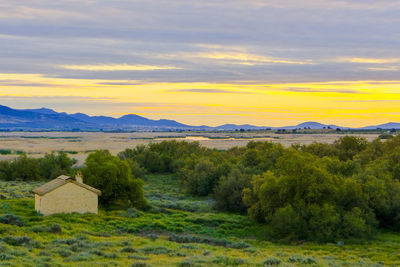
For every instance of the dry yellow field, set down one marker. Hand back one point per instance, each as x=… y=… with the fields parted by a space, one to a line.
x=81 y=143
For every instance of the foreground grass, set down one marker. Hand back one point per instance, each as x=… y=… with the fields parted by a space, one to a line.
x=178 y=231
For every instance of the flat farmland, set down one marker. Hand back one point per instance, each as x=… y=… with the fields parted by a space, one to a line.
x=79 y=144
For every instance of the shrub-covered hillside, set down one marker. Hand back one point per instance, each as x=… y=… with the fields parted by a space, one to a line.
x=320 y=192
x=178 y=230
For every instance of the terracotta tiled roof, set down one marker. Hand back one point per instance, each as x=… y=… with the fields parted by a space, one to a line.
x=60 y=181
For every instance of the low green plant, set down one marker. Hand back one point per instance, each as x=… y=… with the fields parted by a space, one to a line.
x=271 y=261
x=12 y=219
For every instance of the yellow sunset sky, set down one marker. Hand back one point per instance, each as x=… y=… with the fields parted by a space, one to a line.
x=266 y=64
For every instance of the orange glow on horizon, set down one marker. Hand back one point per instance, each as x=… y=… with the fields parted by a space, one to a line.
x=346 y=103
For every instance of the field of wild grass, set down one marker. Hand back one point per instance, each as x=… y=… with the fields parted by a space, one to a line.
x=177 y=231
x=78 y=145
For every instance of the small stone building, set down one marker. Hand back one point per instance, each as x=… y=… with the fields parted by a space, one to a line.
x=65 y=195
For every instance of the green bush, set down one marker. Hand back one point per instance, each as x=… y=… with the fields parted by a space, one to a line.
x=156 y=250
x=305 y=201
x=226 y=261
x=270 y=261
x=302 y=260
x=228 y=192
x=114 y=178
x=12 y=219
x=31 y=169
x=55 y=229
x=5 y=151
x=5 y=257
x=53 y=165
x=200 y=181
x=25 y=169
x=21 y=241
x=207 y=240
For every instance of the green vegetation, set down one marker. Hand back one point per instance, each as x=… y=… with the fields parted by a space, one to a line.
x=114 y=178
x=30 y=169
x=319 y=192
x=10 y=152
x=321 y=205
x=166 y=237
x=52 y=165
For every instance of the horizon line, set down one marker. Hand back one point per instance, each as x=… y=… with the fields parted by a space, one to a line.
x=219 y=125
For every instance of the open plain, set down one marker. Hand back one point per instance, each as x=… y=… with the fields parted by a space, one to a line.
x=79 y=144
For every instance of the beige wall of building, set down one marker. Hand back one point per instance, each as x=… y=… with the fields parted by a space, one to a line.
x=66 y=199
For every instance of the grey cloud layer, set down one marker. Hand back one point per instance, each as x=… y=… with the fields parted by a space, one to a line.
x=38 y=36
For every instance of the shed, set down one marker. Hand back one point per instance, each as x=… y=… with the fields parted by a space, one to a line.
x=66 y=195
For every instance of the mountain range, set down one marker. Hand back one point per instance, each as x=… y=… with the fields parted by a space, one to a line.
x=48 y=119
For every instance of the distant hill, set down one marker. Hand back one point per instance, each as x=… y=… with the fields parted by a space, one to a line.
x=389 y=125
x=238 y=127
x=41 y=110
x=311 y=125
x=48 y=119
x=13 y=118
x=127 y=120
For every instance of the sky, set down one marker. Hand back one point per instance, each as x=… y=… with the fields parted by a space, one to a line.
x=266 y=63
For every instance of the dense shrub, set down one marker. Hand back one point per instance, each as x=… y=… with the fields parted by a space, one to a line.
x=316 y=192
x=5 y=151
x=207 y=240
x=349 y=146
x=302 y=260
x=228 y=192
x=164 y=157
x=303 y=200
x=31 y=169
x=227 y=261
x=201 y=180
x=270 y=261
x=320 y=192
x=53 y=165
x=136 y=169
x=156 y=250
x=12 y=219
x=21 y=241
x=128 y=250
x=55 y=229
x=114 y=178
x=23 y=168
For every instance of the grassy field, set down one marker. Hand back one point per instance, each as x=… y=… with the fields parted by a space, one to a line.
x=177 y=231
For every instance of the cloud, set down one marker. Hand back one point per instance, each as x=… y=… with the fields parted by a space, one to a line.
x=302 y=54
x=18 y=83
x=364 y=60
x=247 y=59
x=121 y=83
x=261 y=41
x=311 y=90
x=117 y=67
x=25 y=12
x=316 y=4
x=57 y=98
x=389 y=68
x=211 y=91
x=371 y=101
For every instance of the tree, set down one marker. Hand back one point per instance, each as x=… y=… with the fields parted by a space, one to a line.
x=228 y=192
x=200 y=180
x=349 y=146
x=114 y=178
x=25 y=168
x=303 y=200
x=52 y=165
